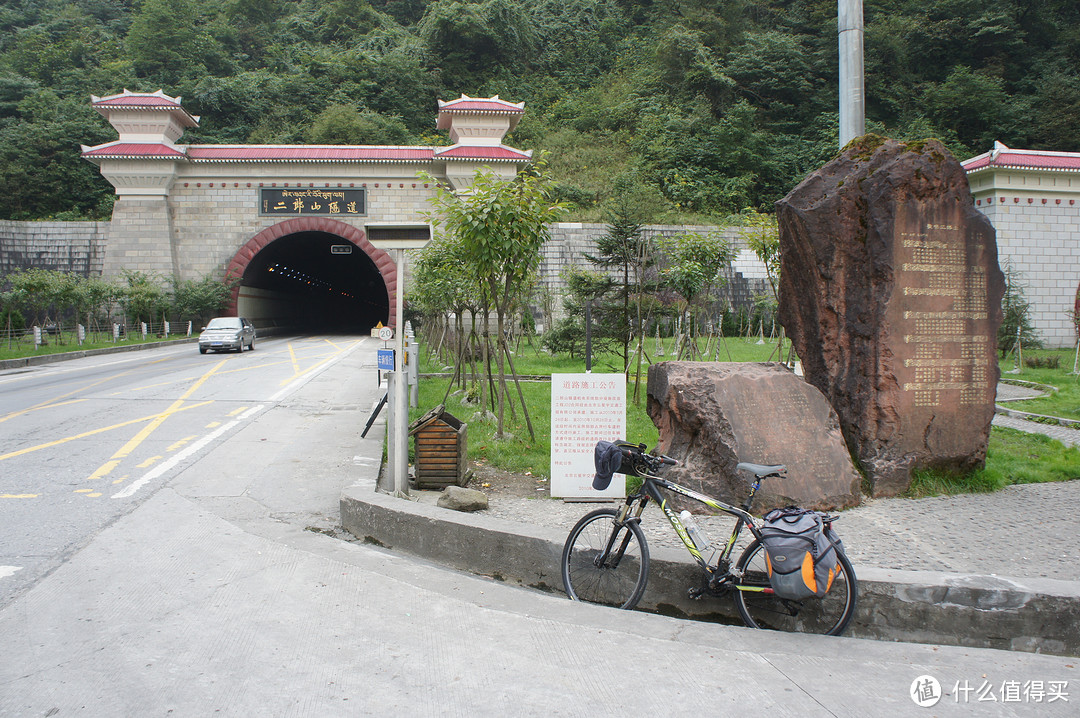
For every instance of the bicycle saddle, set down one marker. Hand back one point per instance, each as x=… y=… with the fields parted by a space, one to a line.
x=761 y=470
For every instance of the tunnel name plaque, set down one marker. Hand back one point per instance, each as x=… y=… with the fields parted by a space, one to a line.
x=312 y=202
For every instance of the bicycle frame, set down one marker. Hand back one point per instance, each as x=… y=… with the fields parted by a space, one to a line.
x=650 y=489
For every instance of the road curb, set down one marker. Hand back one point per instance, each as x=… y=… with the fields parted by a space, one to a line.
x=1033 y=615
x=1045 y=419
x=83 y=353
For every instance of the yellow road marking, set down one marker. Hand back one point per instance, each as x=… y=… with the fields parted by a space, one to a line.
x=149 y=462
x=104 y=469
x=311 y=368
x=58 y=442
x=241 y=410
x=124 y=451
x=48 y=403
x=83 y=491
x=120 y=480
x=177 y=444
x=295 y=365
x=18 y=496
x=213 y=425
x=246 y=367
x=38 y=407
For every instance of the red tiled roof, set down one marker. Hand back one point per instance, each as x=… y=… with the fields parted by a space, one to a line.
x=146 y=101
x=1005 y=157
x=142 y=150
x=501 y=153
x=482 y=104
x=307 y=153
x=136 y=101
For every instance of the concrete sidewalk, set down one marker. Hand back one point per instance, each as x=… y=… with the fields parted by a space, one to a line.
x=970 y=570
x=225 y=595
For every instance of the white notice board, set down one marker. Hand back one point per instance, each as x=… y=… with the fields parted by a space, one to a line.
x=585 y=409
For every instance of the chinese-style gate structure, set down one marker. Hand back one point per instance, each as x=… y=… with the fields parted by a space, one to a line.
x=311 y=232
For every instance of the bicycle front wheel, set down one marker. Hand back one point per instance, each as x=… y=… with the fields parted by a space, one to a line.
x=605 y=563
x=828 y=615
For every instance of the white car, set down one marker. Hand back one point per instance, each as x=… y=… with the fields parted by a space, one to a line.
x=227 y=334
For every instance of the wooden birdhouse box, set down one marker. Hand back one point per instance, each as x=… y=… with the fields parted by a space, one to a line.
x=441 y=456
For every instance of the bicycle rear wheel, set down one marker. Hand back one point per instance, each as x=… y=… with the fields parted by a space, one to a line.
x=828 y=615
x=619 y=580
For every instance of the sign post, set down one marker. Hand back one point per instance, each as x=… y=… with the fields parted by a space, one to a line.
x=399 y=430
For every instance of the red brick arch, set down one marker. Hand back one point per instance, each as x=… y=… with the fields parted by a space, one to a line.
x=386 y=266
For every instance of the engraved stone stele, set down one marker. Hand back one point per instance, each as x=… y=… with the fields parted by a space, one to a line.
x=891 y=293
x=711 y=416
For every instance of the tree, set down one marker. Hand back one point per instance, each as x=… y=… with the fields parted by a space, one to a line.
x=474 y=40
x=501 y=224
x=763 y=237
x=142 y=298
x=346 y=125
x=169 y=42
x=440 y=287
x=201 y=299
x=41 y=172
x=1016 y=315
x=625 y=249
x=694 y=263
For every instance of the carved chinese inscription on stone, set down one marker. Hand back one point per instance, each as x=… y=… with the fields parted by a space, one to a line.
x=891 y=292
x=939 y=307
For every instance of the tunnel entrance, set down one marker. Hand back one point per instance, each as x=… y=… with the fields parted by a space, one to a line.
x=313 y=281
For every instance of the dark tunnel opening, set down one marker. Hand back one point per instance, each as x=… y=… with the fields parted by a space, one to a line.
x=314 y=282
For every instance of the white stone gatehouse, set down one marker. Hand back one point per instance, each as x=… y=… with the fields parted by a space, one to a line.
x=1033 y=200
x=313 y=233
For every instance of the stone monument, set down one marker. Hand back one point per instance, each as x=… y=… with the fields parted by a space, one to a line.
x=891 y=293
x=711 y=416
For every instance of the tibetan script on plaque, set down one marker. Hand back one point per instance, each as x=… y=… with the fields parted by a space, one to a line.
x=312 y=201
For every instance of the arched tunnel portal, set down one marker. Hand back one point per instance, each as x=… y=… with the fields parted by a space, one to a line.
x=311 y=275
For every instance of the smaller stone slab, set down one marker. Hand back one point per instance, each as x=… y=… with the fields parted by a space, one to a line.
x=458 y=498
x=711 y=416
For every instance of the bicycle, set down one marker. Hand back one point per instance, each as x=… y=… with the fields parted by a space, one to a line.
x=606 y=559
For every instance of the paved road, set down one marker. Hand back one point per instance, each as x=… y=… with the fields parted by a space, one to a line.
x=84 y=442
x=220 y=594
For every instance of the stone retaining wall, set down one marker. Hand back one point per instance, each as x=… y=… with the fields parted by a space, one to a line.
x=63 y=246
x=201 y=247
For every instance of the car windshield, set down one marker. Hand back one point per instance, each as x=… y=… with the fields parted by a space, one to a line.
x=224 y=323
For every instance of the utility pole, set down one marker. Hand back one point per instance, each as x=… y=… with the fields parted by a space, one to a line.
x=399 y=431
x=852 y=97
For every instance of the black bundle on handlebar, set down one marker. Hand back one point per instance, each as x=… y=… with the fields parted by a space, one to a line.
x=622 y=457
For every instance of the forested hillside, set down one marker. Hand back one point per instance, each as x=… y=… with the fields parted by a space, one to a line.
x=691 y=109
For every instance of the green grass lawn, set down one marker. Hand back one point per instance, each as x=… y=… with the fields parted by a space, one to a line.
x=519 y=453
x=1065 y=402
x=1013 y=457
x=68 y=343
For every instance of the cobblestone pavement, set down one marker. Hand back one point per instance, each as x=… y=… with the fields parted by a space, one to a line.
x=1014 y=392
x=1064 y=434
x=1024 y=531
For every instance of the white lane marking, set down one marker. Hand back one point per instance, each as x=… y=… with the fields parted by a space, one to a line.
x=6 y=571
x=185 y=454
x=224 y=428
x=63 y=367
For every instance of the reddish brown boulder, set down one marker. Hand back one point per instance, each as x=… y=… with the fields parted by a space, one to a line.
x=711 y=416
x=891 y=292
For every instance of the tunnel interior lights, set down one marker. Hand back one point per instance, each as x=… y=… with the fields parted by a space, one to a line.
x=301 y=277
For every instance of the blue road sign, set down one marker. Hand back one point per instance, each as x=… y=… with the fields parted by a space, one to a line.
x=386 y=359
